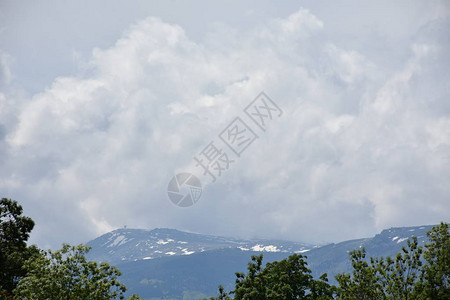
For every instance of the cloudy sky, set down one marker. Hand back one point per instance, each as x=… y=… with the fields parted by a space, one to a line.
x=102 y=103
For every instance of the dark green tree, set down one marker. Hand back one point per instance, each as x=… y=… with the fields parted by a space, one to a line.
x=14 y=232
x=379 y=278
x=287 y=279
x=414 y=273
x=66 y=274
x=364 y=282
x=222 y=295
x=252 y=285
x=398 y=276
x=435 y=276
x=321 y=289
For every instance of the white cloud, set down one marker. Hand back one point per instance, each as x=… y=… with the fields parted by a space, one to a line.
x=362 y=145
x=5 y=71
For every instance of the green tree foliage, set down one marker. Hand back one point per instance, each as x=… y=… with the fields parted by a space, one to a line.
x=363 y=284
x=287 y=279
x=30 y=273
x=66 y=274
x=434 y=280
x=222 y=294
x=14 y=232
x=381 y=278
x=134 y=297
x=398 y=276
x=254 y=284
x=414 y=273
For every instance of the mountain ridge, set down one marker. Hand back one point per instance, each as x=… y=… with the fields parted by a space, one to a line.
x=125 y=244
x=184 y=275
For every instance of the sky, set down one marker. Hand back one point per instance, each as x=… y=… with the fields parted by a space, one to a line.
x=102 y=103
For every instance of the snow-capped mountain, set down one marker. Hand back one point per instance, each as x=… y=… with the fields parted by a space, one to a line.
x=124 y=245
x=334 y=258
x=167 y=263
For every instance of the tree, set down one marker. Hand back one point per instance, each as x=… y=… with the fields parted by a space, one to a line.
x=413 y=274
x=253 y=285
x=287 y=279
x=364 y=282
x=14 y=232
x=399 y=277
x=66 y=274
x=434 y=279
x=321 y=289
x=222 y=294
x=382 y=278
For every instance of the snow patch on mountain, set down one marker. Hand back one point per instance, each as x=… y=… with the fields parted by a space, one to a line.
x=262 y=248
x=115 y=247
x=120 y=240
x=186 y=252
x=401 y=240
x=162 y=242
x=302 y=251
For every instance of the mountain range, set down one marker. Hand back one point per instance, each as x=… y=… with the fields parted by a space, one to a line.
x=170 y=264
x=124 y=245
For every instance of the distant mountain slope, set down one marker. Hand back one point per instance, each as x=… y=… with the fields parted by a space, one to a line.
x=188 y=277
x=215 y=259
x=334 y=259
x=124 y=245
